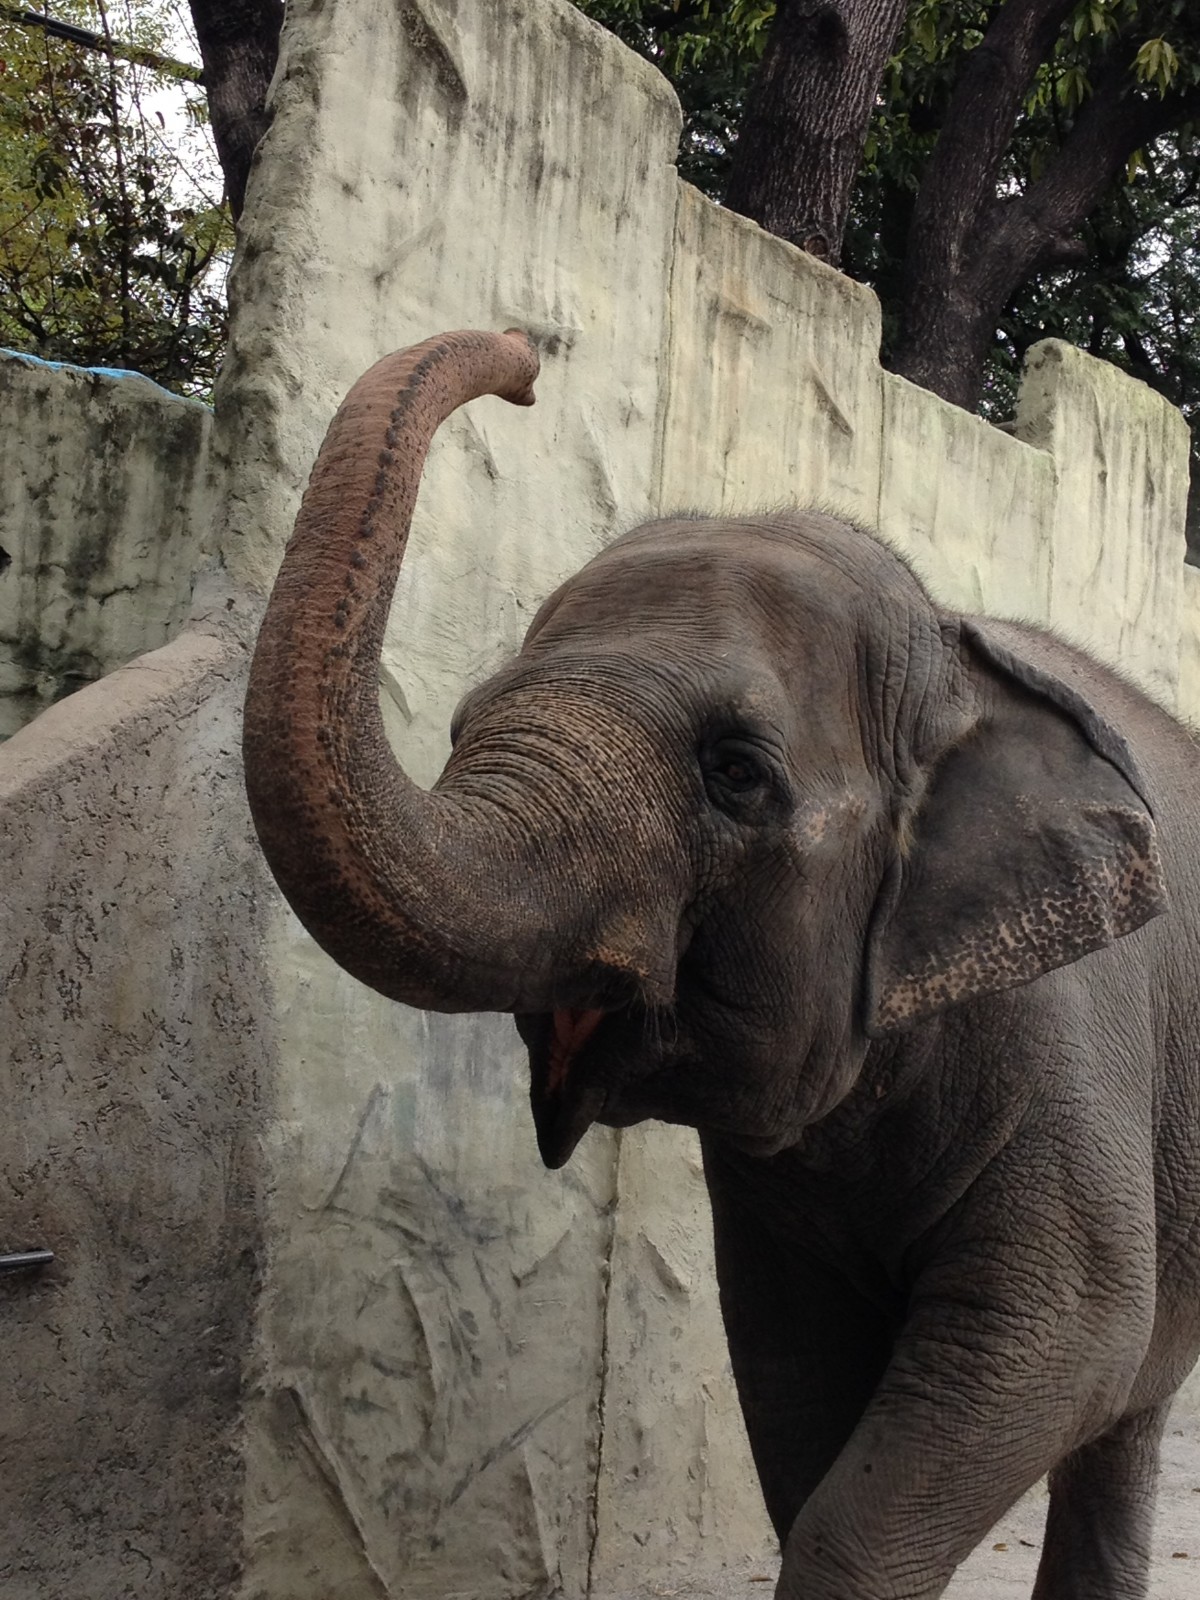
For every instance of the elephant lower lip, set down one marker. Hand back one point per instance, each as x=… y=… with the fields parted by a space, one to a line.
x=565 y=1098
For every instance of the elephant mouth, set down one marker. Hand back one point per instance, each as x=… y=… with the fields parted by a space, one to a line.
x=623 y=1064
x=595 y=1064
x=617 y=1065
x=583 y=1056
x=565 y=1093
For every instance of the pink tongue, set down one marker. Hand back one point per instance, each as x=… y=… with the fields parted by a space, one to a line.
x=572 y=1030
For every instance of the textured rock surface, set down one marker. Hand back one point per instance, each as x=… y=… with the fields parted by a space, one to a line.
x=135 y=1043
x=435 y=1359
x=103 y=504
x=1189 y=655
x=1115 y=581
x=774 y=389
x=463 y=1375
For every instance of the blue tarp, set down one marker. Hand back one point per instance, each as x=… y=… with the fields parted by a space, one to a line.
x=103 y=372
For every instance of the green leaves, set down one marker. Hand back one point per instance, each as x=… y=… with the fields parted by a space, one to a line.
x=111 y=252
x=1108 y=16
x=709 y=50
x=1156 y=63
x=1071 y=87
x=47 y=175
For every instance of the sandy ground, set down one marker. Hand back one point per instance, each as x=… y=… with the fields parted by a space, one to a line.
x=1003 y=1567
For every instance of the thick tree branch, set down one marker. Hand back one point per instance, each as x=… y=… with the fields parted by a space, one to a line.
x=1113 y=122
x=970 y=249
x=960 y=181
x=806 y=118
x=56 y=28
x=239 y=45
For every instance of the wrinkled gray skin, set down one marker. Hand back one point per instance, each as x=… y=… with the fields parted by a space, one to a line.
x=968 y=1251
x=870 y=894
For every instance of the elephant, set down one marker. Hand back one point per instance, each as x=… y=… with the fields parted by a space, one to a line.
x=899 y=908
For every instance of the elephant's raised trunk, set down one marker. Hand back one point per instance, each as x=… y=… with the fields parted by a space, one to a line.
x=409 y=891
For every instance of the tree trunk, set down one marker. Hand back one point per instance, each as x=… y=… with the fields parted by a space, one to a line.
x=969 y=249
x=239 y=45
x=806 y=118
x=958 y=269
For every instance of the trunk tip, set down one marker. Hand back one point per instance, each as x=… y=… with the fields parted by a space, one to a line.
x=520 y=391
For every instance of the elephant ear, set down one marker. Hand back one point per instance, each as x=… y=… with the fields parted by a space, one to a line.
x=1031 y=845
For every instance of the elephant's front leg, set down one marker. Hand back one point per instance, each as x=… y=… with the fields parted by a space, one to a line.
x=888 y=1449
x=979 y=1400
x=807 y=1344
x=882 y=1445
x=1102 y=1514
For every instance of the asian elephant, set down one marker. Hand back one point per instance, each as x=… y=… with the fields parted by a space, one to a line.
x=899 y=908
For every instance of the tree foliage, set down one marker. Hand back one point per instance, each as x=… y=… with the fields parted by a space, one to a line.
x=1045 y=109
x=709 y=51
x=112 y=244
x=1095 y=176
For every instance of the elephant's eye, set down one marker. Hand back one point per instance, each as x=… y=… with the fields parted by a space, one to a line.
x=740 y=780
x=738 y=772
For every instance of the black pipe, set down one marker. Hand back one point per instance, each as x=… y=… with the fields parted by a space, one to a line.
x=97 y=41
x=24 y=1260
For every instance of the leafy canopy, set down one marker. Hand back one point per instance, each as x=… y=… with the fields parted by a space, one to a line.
x=708 y=50
x=113 y=238
x=1129 y=297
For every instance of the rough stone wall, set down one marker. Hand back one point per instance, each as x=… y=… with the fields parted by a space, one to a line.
x=103 y=503
x=135 y=1043
x=464 y=1375
x=446 y=1438
x=1072 y=521
x=1188 y=705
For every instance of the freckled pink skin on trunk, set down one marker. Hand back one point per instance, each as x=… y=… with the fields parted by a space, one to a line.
x=407 y=890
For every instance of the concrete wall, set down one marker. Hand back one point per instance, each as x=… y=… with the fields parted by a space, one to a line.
x=463 y=1375
x=135 y=1048
x=103 y=504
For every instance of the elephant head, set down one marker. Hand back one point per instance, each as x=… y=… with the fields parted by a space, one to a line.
x=745 y=805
